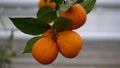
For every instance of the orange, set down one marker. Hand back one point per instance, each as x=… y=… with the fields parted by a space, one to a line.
x=77 y=14
x=47 y=3
x=48 y=33
x=69 y=43
x=45 y=50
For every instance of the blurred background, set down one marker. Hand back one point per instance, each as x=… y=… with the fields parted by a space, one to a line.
x=101 y=37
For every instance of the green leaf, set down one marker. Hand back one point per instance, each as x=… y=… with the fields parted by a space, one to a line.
x=88 y=5
x=57 y=1
x=62 y=24
x=72 y=1
x=65 y=7
x=46 y=14
x=30 y=25
x=30 y=43
x=79 y=1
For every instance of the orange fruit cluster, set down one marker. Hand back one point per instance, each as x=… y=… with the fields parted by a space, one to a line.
x=68 y=42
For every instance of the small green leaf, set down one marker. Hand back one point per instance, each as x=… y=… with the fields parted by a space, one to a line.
x=88 y=5
x=57 y=1
x=30 y=43
x=62 y=24
x=79 y=1
x=72 y=1
x=30 y=25
x=46 y=14
x=65 y=7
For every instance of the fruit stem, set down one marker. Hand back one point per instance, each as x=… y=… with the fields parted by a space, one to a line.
x=54 y=34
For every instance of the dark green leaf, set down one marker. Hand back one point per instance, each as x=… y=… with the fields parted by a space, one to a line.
x=88 y=5
x=79 y=1
x=30 y=43
x=65 y=7
x=57 y=1
x=46 y=14
x=62 y=24
x=30 y=25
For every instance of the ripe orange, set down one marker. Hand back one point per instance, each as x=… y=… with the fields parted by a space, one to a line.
x=45 y=50
x=77 y=14
x=69 y=43
x=48 y=33
x=47 y=3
